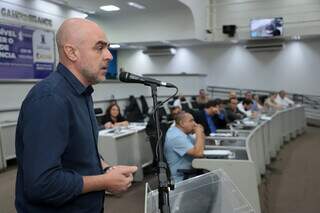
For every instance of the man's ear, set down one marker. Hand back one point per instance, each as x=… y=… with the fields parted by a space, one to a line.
x=181 y=123
x=71 y=52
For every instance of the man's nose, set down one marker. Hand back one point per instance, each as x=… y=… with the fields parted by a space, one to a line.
x=107 y=55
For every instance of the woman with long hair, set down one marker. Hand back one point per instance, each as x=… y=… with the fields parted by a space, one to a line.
x=113 y=117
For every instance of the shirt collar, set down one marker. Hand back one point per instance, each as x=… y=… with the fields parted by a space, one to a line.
x=73 y=81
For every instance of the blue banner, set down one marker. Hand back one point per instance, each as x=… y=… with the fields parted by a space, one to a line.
x=112 y=69
x=25 y=52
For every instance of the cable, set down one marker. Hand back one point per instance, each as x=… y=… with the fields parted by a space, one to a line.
x=154 y=118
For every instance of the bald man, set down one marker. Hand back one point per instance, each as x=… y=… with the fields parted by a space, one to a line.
x=59 y=167
x=180 y=147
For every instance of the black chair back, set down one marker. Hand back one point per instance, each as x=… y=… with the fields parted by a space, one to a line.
x=144 y=105
x=132 y=112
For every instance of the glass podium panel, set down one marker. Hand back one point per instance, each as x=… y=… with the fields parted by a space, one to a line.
x=212 y=192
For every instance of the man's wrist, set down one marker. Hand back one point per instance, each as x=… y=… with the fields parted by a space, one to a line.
x=108 y=169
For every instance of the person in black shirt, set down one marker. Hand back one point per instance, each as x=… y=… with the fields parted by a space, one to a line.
x=232 y=112
x=113 y=117
x=205 y=116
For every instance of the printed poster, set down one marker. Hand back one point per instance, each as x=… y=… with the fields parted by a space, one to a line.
x=25 y=52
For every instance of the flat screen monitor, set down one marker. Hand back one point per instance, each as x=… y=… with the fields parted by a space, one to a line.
x=266 y=28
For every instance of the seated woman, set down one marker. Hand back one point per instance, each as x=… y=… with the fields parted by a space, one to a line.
x=113 y=117
x=271 y=103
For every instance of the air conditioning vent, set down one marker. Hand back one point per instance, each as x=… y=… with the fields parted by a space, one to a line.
x=160 y=51
x=264 y=47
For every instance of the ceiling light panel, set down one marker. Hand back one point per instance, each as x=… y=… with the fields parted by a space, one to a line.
x=114 y=46
x=109 y=8
x=136 y=5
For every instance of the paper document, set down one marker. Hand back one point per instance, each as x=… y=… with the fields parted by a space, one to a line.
x=265 y=118
x=217 y=152
x=220 y=134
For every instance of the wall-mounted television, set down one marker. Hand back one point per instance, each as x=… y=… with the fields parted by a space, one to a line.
x=266 y=27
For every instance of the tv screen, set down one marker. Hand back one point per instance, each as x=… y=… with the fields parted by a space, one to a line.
x=266 y=28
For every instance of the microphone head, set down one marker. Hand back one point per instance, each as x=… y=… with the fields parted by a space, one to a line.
x=133 y=78
x=124 y=76
x=130 y=78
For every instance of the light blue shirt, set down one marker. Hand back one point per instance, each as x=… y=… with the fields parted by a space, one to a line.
x=176 y=145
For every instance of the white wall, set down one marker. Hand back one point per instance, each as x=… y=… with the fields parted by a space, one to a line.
x=136 y=61
x=160 y=26
x=301 y=17
x=295 y=68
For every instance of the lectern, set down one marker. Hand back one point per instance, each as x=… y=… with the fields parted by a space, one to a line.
x=212 y=192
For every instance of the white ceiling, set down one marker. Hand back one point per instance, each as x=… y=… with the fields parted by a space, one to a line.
x=93 y=6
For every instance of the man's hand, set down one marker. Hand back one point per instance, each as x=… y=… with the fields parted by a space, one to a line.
x=197 y=150
x=198 y=129
x=254 y=114
x=119 y=178
x=115 y=180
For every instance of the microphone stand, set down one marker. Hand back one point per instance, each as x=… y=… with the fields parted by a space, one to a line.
x=164 y=182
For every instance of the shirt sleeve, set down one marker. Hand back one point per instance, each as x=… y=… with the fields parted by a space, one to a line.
x=46 y=124
x=181 y=145
x=241 y=108
x=289 y=101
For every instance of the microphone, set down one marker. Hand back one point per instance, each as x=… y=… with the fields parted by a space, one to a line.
x=132 y=78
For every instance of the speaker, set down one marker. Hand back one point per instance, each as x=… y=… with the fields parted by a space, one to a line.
x=230 y=30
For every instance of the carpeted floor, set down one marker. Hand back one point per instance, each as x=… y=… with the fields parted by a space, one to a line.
x=291 y=186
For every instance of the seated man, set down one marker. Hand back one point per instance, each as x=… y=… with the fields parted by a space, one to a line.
x=205 y=116
x=232 y=112
x=246 y=108
x=283 y=100
x=180 y=147
x=174 y=110
x=248 y=95
x=202 y=98
x=219 y=119
x=232 y=94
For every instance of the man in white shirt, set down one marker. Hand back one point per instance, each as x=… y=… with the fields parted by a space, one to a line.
x=283 y=100
x=245 y=107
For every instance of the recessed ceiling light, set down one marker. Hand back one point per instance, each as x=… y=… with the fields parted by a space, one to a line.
x=109 y=8
x=114 y=46
x=136 y=5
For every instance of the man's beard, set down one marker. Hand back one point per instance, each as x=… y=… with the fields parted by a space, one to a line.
x=90 y=77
